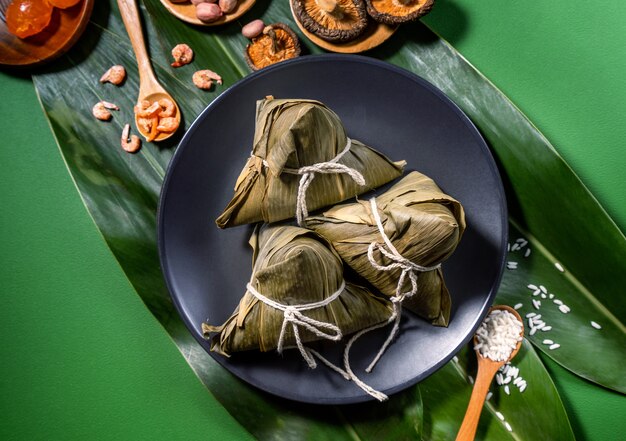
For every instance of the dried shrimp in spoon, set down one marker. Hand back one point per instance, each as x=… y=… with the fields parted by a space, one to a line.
x=156 y=117
x=167 y=108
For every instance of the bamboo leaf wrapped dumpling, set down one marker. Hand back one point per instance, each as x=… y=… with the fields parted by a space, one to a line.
x=302 y=159
x=423 y=225
x=293 y=271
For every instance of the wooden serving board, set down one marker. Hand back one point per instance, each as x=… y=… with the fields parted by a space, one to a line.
x=65 y=28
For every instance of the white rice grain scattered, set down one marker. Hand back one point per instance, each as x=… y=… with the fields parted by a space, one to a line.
x=489 y=395
x=515 y=247
x=508 y=247
x=546 y=328
x=537 y=303
x=517 y=381
x=559 y=267
x=499 y=379
x=470 y=379
x=522 y=242
x=518 y=306
x=558 y=302
x=551 y=296
x=532 y=331
x=543 y=289
x=536 y=292
x=511 y=265
x=527 y=253
x=554 y=346
x=506 y=390
x=547 y=341
x=543 y=296
x=531 y=314
x=508 y=426
x=564 y=309
x=595 y=325
x=531 y=286
x=455 y=359
x=500 y=416
x=522 y=387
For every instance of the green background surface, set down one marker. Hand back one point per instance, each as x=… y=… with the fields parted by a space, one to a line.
x=82 y=358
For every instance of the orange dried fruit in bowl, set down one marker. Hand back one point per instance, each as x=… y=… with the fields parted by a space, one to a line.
x=28 y=17
x=63 y=4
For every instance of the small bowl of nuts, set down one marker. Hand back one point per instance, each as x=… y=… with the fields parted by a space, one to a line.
x=207 y=12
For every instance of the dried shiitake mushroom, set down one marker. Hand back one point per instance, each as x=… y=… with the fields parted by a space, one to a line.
x=333 y=20
x=276 y=43
x=393 y=12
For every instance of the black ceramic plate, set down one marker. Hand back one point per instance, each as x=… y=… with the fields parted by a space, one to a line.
x=398 y=113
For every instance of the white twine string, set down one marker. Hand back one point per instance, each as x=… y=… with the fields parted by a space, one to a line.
x=346 y=363
x=308 y=174
x=409 y=269
x=292 y=315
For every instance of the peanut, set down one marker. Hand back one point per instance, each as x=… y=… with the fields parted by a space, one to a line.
x=208 y=12
x=253 y=29
x=227 y=6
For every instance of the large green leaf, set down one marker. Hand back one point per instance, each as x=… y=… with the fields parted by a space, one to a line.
x=534 y=414
x=121 y=193
x=603 y=350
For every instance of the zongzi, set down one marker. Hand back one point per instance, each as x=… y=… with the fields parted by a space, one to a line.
x=398 y=241
x=296 y=294
x=302 y=159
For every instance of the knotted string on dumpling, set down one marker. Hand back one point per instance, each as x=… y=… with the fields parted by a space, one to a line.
x=308 y=173
x=409 y=269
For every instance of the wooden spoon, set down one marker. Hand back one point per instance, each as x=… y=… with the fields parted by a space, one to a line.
x=487 y=369
x=149 y=87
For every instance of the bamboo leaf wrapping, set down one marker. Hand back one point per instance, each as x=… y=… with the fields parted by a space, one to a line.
x=294 y=266
x=423 y=224
x=290 y=134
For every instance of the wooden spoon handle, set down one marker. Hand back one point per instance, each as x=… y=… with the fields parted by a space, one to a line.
x=484 y=376
x=132 y=22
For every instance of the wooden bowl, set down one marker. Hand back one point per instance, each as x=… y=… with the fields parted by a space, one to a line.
x=66 y=26
x=374 y=35
x=187 y=12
